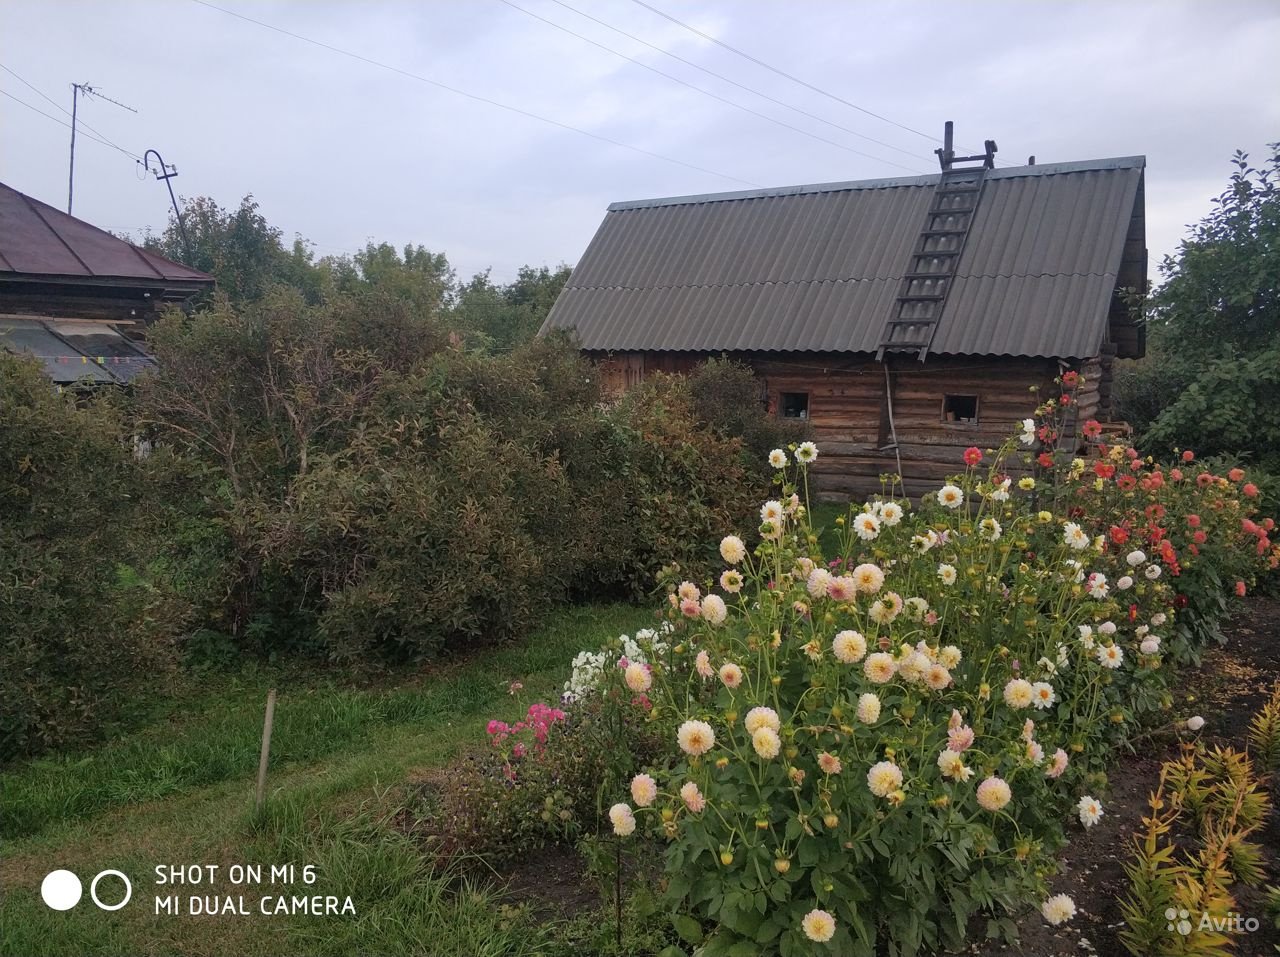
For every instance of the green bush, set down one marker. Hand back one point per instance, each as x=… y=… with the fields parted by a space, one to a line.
x=728 y=397
x=346 y=480
x=80 y=636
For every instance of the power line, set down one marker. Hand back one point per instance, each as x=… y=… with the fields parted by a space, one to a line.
x=698 y=89
x=474 y=96
x=133 y=156
x=81 y=123
x=733 y=82
x=783 y=73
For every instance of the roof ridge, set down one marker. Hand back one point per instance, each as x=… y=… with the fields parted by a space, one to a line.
x=34 y=204
x=835 y=279
x=929 y=179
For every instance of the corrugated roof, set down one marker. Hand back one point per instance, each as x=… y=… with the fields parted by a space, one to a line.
x=73 y=350
x=817 y=268
x=37 y=240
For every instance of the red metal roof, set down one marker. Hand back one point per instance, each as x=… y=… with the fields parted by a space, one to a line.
x=37 y=240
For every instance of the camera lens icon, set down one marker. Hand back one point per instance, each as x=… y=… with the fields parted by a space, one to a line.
x=62 y=890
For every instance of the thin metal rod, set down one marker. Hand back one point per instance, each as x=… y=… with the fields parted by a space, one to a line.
x=893 y=431
x=71 y=172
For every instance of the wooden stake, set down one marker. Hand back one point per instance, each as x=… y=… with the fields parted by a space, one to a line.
x=266 y=749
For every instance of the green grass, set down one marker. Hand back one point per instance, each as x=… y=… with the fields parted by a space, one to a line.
x=179 y=791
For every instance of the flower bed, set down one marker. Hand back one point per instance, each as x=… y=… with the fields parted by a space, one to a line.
x=873 y=748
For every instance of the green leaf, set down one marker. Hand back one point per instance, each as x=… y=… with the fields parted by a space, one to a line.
x=688 y=929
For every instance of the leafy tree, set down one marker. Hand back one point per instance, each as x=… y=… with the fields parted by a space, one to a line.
x=239 y=248
x=1210 y=382
x=503 y=317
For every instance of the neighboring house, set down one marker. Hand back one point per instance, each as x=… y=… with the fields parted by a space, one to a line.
x=78 y=298
x=905 y=319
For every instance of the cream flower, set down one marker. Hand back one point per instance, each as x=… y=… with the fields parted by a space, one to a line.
x=1028 y=435
x=937 y=677
x=644 y=790
x=949 y=656
x=637 y=677
x=1150 y=645
x=730 y=674
x=1057 y=765
x=1058 y=909
x=1090 y=811
x=994 y=793
x=1195 y=723
x=991 y=529
x=731 y=581
x=761 y=717
x=849 y=647
x=703 y=664
x=1124 y=582
x=952 y=766
x=1136 y=557
x=884 y=778
x=714 y=610
x=1018 y=693
x=695 y=737
x=916 y=608
x=777 y=459
x=732 y=550
x=819 y=926
x=950 y=496
x=1110 y=656
x=890 y=513
x=1075 y=536
x=766 y=742
x=868 y=708
x=806 y=453
x=1152 y=572
x=868 y=578
x=817 y=583
x=947 y=573
x=692 y=797
x=913 y=666
x=1043 y=695
x=880 y=667
x=624 y=822
x=829 y=763
x=867 y=526
x=688 y=591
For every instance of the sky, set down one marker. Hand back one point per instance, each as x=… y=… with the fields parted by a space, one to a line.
x=341 y=150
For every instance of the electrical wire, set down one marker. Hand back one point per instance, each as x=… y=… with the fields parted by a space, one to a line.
x=733 y=82
x=79 y=122
x=783 y=73
x=474 y=96
x=708 y=93
x=133 y=156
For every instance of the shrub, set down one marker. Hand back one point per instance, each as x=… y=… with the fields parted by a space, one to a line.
x=728 y=397
x=81 y=640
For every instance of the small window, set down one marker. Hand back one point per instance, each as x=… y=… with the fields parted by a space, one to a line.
x=795 y=405
x=960 y=408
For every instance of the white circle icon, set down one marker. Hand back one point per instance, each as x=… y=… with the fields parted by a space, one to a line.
x=61 y=890
x=93 y=890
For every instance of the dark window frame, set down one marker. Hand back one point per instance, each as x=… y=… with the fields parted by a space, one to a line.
x=782 y=406
x=948 y=405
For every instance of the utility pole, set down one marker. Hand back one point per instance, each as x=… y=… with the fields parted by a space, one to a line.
x=76 y=90
x=166 y=173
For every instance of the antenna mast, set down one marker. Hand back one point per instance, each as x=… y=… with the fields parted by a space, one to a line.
x=76 y=90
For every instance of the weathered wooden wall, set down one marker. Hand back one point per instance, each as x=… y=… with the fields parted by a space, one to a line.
x=849 y=412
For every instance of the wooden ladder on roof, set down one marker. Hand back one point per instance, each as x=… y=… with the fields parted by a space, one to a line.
x=928 y=279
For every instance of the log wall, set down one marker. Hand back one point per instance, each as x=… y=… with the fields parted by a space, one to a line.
x=849 y=413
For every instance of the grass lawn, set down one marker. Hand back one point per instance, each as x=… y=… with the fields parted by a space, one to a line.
x=179 y=792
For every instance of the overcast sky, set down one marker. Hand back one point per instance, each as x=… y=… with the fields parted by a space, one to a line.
x=342 y=151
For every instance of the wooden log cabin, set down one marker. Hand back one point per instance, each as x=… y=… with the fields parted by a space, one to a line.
x=905 y=319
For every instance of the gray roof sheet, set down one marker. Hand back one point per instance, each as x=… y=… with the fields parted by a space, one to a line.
x=817 y=268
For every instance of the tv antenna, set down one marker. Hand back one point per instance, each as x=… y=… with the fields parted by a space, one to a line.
x=87 y=90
